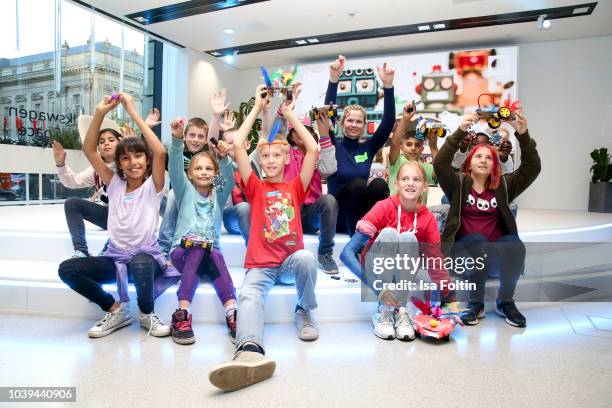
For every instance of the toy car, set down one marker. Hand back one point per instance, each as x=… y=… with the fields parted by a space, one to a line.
x=331 y=111
x=433 y=322
x=426 y=125
x=196 y=242
x=494 y=115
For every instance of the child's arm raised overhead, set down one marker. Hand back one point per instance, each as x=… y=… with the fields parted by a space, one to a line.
x=240 y=152
x=219 y=107
x=158 y=167
x=312 y=147
x=90 y=145
x=176 y=167
x=396 y=141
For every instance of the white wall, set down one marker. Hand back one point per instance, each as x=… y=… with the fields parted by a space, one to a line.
x=566 y=90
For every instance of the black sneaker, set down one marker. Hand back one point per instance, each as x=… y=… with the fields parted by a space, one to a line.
x=181 y=330
x=475 y=311
x=509 y=311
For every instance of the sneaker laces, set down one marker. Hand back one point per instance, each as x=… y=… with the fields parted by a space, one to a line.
x=306 y=319
x=404 y=318
x=104 y=320
x=385 y=317
x=183 y=325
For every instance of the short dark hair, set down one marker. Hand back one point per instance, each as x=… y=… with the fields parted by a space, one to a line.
x=133 y=145
x=197 y=122
x=309 y=128
x=118 y=135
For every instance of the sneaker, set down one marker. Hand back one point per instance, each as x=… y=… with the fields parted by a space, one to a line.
x=78 y=254
x=509 y=311
x=112 y=322
x=382 y=321
x=153 y=324
x=181 y=330
x=327 y=263
x=475 y=311
x=230 y=321
x=306 y=327
x=247 y=368
x=404 y=329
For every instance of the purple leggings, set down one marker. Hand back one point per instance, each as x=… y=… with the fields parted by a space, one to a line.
x=187 y=261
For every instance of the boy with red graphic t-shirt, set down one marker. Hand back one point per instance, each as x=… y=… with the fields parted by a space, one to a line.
x=275 y=251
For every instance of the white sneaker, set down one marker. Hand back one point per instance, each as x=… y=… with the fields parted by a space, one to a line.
x=404 y=329
x=306 y=327
x=153 y=324
x=382 y=321
x=112 y=322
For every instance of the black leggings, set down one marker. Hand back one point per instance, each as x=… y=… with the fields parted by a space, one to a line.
x=357 y=198
x=86 y=276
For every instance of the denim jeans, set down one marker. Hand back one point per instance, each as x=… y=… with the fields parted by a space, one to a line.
x=388 y=244
x=237 y=220
x=506 y=253
x=78 y=210
x=86 y=276
x=300 y=268
x=321 y=215
x=168 y=224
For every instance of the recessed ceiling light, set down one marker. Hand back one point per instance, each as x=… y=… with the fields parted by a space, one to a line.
x=439 y=26
x=229 y=31
x=424 y=27
x=313 y=40
x=580 y=10
x=229 y=58
x=544 y=23
x=301 y=42
x=215 y=54
x=141 y=19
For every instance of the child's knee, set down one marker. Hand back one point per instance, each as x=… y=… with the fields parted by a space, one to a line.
x=388 y=235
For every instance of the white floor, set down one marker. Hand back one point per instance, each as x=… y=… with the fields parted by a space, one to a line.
x=555 y=362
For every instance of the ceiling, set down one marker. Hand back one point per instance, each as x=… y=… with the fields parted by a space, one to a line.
x=280 y=19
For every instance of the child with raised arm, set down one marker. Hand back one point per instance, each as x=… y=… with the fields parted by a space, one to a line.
x=134 y=196
x=406 y=146
x=275 y=252
x=198 y=229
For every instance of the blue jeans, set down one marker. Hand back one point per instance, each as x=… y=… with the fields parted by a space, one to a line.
x=237 y=220
x=321 y=215
x=507 y=254
x=300 y=268
x=168 y=224
x=78 y=210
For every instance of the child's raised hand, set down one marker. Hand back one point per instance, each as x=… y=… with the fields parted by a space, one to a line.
x=227 y=121
x=128 y=103
x=468 y=120
x=432 y=138
x=519 y=123
x=409 y=110
x=262 y=96
x=177 y=126
x=219 y=102
x=221 y=148
x=128 y=131
x=324 y=124
x=107 y=104
x=336 y=68
x=152 y=118
x=386 y=75
x=286 y=107
x=59 y=155
x=505 y=148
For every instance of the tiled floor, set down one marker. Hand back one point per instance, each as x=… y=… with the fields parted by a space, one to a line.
x=562 y=359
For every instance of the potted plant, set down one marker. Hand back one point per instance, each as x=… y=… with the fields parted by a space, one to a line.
x=600 y=190
x=240 y=115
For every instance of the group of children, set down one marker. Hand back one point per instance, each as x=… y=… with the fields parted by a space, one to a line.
x=214 y=181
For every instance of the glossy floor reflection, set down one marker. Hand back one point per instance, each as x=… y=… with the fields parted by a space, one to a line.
x=557 y=361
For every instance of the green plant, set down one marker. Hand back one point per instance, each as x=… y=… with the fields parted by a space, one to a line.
x=602 y=167
x=240 y=115
x=67 y=137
